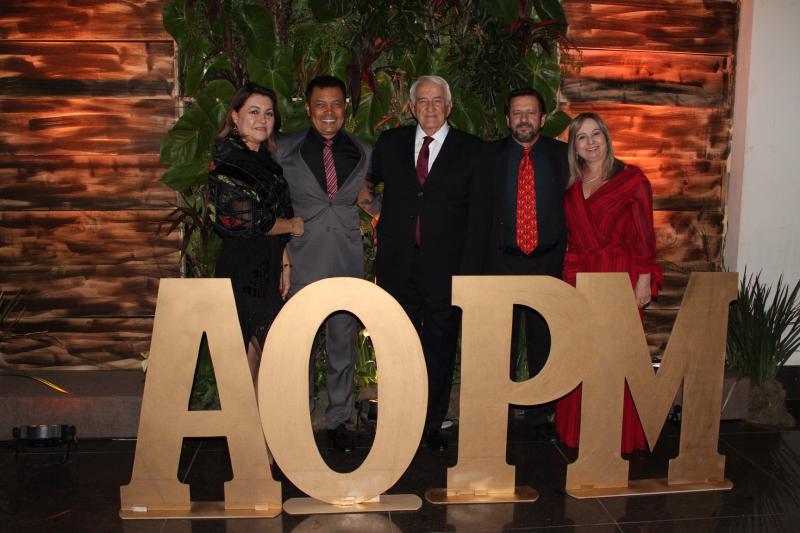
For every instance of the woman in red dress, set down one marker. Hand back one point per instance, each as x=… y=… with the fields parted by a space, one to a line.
x=609 y=213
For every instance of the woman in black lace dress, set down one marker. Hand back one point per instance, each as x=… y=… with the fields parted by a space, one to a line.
x=253 y=213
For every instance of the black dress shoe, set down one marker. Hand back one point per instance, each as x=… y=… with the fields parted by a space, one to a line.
x=547 y=433
x=342 y=439
x=436 y=440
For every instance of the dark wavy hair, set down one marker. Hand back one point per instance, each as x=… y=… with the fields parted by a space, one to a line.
x=525 y=91
x=325 y=82
x=238 y=100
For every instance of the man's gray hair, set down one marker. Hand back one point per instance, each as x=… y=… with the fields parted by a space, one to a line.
x=438 y=80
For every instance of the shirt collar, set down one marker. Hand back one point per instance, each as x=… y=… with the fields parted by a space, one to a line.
x=315 y=136
x=439 y=136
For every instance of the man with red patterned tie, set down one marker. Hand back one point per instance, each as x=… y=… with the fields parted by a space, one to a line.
x=427 y=220
x=527 y=233
x=325 y=168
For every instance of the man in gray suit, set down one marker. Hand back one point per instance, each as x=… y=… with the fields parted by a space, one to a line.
x=325 y=167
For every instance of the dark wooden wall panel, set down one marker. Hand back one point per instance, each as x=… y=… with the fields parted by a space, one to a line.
x=83 y=237
x=83 y=183
x=129 y=289
x=706 y=26
x=83 y=125
x=78 y=342
x=82 y=20
x=85 y=69
x=661 y=74
x=654 y=78
x=85 y=99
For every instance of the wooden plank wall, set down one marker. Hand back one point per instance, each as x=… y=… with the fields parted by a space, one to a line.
x=85 y=98
x=661 y=74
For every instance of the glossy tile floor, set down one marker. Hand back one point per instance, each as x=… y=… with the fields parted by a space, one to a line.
x=83 y=494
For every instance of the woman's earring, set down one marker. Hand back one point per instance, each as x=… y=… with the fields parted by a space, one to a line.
x=234 y=130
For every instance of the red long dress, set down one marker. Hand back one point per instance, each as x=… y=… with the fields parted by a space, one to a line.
x=611 y=231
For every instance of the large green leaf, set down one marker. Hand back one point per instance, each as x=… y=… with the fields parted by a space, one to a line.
x=181 y=24
x=255 y=23
x=416 y=63
x=556 y=124
x=373 y=109
x=293 y=114
x=467 y=113
x=505 y=11
x=214 y=100
x=212 y=69
x=194 y=79
x=327 y=10
x=337 y=62
x=191 y=136
x=544 y=75
x=175 y=15
x=183 y=176
x=276 y=73
x=551 y=10
x=439 y=63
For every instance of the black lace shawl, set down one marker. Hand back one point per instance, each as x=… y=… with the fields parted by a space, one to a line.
x=248 y=193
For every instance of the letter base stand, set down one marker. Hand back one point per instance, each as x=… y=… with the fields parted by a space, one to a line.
x=644 y=487
x=521 y=494
x=383 y=503
x=200 y=510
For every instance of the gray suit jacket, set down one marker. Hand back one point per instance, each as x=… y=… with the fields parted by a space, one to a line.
x=331 y=245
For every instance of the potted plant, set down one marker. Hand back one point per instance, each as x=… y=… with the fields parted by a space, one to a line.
x=763 y=333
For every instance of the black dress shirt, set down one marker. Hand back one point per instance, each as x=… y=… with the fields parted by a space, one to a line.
x=346 y=156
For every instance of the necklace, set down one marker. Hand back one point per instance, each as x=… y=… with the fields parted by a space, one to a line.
x=584 y=180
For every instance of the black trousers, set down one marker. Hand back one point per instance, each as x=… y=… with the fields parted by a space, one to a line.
x=436 y=322
x=537 y=334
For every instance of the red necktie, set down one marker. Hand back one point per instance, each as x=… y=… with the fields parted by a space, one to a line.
x=422 y=173
x=331 y=182
x=527 y=229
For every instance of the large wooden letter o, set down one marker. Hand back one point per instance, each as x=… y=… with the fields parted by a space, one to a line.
x=283 y=390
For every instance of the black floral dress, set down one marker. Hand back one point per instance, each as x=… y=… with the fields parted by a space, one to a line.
x=248 y=193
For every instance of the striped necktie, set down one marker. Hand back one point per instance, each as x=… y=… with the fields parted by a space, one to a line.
x=331 y=182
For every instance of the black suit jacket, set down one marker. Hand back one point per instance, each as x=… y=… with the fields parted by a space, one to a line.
x=447 y=207
x=496 y=165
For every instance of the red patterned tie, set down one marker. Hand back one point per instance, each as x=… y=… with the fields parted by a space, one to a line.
x=527 y=229
x=331 y=182
x=422 y=173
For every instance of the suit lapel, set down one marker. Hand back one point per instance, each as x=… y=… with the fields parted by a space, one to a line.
x=311 y=181
x=498 y=174
x=406 y=153
x=362 y=161
x=445 y=159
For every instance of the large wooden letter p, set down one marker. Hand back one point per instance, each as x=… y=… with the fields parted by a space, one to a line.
x=486 y=389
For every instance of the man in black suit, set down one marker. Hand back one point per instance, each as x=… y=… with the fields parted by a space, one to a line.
x=430 y=175
x=527 y=236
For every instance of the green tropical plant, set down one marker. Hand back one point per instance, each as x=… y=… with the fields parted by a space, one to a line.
x=763 y=328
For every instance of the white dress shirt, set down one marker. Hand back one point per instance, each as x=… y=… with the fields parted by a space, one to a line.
x=434 y=147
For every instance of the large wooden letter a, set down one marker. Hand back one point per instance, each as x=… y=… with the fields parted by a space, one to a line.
x=186 y=308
